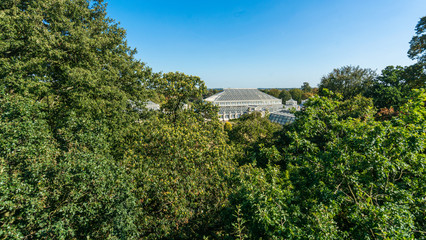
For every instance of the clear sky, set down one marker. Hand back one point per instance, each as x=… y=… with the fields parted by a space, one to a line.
x=267 y=43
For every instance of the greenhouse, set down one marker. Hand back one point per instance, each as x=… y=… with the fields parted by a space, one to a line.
x=282 y=117
x=234 y=102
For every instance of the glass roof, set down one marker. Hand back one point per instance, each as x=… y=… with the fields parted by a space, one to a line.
x=240 y=94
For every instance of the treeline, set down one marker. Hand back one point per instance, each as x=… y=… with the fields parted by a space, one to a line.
x=81 y=157
x=298 y=94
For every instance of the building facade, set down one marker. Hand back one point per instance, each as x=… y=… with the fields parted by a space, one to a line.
x=234 y=102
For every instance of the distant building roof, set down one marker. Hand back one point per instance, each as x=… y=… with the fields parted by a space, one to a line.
x=150 y=105
x=291 y=101
x=240 y=94
x=234 y=102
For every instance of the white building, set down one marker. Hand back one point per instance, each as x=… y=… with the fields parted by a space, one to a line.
x=234 y=102
x=150 y=105
x=291 y=104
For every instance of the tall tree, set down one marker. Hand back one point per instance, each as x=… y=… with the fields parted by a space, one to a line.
x=418 y=42
x=393 y=86
x=66 y=79
x=180 y=169
x=348 y=80
x=296 y=94
x=306 y=87
x=285 y=95
x=69 y=55
x=179 y=89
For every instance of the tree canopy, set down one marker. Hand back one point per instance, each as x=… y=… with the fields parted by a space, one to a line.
x=348 y=80
x=418 y=42
x=81 y=158
x=67 y=76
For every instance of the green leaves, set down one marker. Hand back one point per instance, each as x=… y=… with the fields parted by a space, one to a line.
x=179 y=90
x=348 y=81
x=181 y=171
x=417 y=43
x=46 y=192
x=342 y=175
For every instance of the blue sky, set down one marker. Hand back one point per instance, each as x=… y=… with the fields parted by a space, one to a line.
x=268 y=43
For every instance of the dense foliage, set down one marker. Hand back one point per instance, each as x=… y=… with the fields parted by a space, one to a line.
x=340 y=176
x=82 y=158
x=394 y=85
x=418 y=42
x=348 y=80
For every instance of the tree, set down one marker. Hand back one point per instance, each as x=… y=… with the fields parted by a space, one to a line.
x=341 y=175
x=307 y=95
x=180 y=169
x=394 y=85
x=274 y=92
x=67 y=76
x=253 y=134
x=285 y=96
x=73 y=58
x=48 y=193
x=348 y=81
x=418 y=42
x=388 y=90
x=296 y=94
x=179 y=89
x=306 y=87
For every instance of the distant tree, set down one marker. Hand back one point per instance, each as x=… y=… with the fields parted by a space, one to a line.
x=296 y=94
x=418 y=42
x=211 y=92
x=393 y=86
x=307 y=95
x=274 y=92
x=285 y=96
x=388 y=89
x=415 y=76
x=306 y=87
x=348 y=80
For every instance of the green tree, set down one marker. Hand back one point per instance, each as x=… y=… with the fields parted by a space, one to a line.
x=73 y=58
x=393 y=86
x=296 y=94
x=68 y=77
x=254 y=136
x=306 y=87
x=48 y=193
x=388 y=90
x=179 y=89
x=348 y=81
x=285 y=95
x=418 y=42
x=274 y=92
x=180 y=170
x=341 y=176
